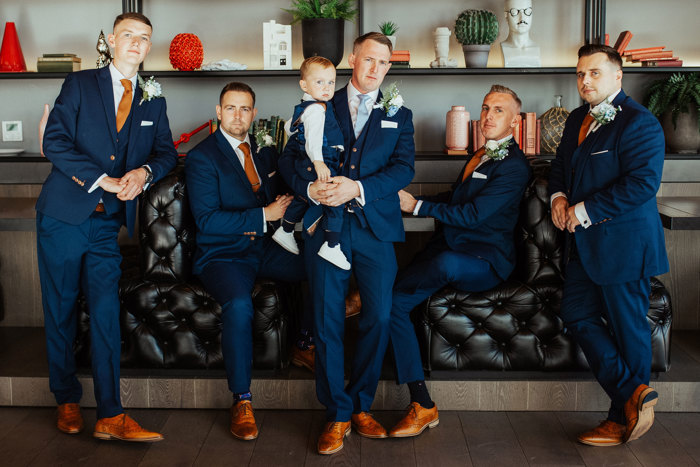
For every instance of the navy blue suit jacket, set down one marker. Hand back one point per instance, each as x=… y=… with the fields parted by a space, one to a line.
x=479 y=215
x=228 y=214
x=80 y=137
x=616 y=172
x=381 y=158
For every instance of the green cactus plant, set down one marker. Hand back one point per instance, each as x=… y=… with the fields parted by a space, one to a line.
x=476 y=27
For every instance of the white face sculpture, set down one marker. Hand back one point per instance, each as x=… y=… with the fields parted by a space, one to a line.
x=519 y=15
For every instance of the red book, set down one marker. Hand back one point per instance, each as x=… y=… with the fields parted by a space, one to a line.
x=400 y=56
x=661 y=54
x=529 y=133
x=518 y=131
x=656 y=59
x=607 y=39
x=623 y=41
x=652 y=63
x=537 y=141
x=644 y=50
x=474 y=139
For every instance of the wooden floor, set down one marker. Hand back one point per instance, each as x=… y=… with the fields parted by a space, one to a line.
x=200 y=437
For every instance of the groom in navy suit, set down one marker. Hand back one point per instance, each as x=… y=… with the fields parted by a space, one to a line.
x=376 y=164
x=107 y=141
x=474 y=249
x=603 y=188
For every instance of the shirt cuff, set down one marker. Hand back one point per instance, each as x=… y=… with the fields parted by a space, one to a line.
x=360 y=199
x=582 y=215
x=309 y=196
x=416 y=210
x=555 y=196
x=97 y=183
x=264 y=222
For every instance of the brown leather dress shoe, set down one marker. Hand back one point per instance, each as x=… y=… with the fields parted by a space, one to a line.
x=639 y=412
x=367 y=426
x=353 y=304
x=331 y=440
x=608 y=433
x=124 y=428
x=243 y=421
x=70 y=420
x=304 y=358
x=416 y=420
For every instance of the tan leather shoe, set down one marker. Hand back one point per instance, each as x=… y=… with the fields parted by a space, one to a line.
x=416 y=420
x=70 y=420
x=353 y=304
x=124 y=428
x=304 y=358
x=243 y=421
x=608 y=433
x=639 y=412
x=331 y=440
x=367 y=426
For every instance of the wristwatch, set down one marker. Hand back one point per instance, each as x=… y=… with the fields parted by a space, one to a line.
x=149 y=174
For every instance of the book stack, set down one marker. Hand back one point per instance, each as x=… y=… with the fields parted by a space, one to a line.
x=274 y=126
x=400 y=59
x=647 y=56
x=526 y=134
x=58 y=63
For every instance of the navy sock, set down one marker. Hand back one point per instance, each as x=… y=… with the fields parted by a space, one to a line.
x=242 y=396
x=287 y=226
x=333 y=238
x=419 y=393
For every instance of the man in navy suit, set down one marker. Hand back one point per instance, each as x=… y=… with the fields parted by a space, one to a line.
x=474 y=249
x=232 y=185
x=107 y=141
x=376 y=164
x=603 y=188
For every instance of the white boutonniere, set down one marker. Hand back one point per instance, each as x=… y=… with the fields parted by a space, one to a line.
x=150 y=89
x=497 y=151
x=604 y=112
x=391 y=102
x=263 y=139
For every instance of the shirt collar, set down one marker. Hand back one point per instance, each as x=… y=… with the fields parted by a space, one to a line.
x=607 y=100
x=234 y=142
x=117 y=76
x=352 y=92
x=307 y=97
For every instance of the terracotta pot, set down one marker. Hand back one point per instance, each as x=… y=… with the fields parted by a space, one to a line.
x=685 y=138
x=456 y=129
x=476 y=56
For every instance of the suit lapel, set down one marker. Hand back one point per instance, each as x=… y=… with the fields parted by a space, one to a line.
x=137 y=108
x=342 y=113
x=232 y=158
x=104 y=83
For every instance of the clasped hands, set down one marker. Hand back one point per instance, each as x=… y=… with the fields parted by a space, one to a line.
x=128 y=187
x=336 y=192
x=563 y=215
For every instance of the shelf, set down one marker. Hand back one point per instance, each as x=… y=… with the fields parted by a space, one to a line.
x=347 y=72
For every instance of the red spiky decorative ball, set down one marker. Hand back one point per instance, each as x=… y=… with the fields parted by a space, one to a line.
x=186 y=52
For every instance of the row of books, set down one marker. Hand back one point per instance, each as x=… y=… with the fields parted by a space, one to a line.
x=274 y=126
x=526 y=133
x=64 y=63
x=647 y=56
x=400 y=59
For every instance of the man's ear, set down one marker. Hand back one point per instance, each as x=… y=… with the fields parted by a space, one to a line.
x=110 y=40
x=218 y=111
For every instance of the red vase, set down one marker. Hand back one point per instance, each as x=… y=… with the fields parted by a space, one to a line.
x=186 y=52
x=11 y=58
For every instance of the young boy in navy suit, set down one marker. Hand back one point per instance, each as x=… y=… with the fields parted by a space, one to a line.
x=315 y=130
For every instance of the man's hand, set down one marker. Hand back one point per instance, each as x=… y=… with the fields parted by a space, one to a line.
x=316 y=188
x=408 y=202
x=111 y=185
x=132 y=183
x=275 y=210
x=339 y=192
x=571 y=219
x=559 y=207
x=322 y=171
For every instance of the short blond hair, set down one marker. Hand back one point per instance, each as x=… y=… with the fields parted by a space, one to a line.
x=315 y=60
x=504 y=90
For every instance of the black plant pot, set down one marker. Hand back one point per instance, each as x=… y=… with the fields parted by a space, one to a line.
x=323 y=37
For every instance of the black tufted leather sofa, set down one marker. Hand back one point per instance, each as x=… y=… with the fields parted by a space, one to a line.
x=167 y=318
x=516 y=326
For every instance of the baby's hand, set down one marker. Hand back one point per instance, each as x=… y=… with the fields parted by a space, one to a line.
x=322 y=171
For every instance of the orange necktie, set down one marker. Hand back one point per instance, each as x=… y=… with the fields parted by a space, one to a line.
x=471 y=166
x=124 y=104
x=249 y=167
x=583 y=132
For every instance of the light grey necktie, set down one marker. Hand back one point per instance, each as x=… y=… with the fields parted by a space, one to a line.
x=362 y=114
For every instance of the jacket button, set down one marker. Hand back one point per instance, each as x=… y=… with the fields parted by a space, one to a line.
x=352 y=167
x=111 y=158
x=354 y=149
x=309 y=169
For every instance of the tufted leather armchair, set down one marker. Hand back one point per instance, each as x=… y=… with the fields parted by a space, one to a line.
x=167 y=318
x=516 y=325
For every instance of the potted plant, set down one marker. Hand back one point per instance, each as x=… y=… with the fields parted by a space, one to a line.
x=389 y=28
x=323 y=26
x=476 y=30
x=676 y=102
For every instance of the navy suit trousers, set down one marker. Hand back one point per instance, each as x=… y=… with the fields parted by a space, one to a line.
x=433 y=269
x=73 y=258
x=619 y=354
x=231 y=283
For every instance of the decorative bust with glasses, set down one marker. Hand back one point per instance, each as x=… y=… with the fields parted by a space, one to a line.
x=518 y=49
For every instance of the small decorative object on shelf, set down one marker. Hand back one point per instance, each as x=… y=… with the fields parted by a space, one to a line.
x=11 y=58
x=552 y=127
x=442 y=49
x=476 y=30
x=224 y=65
x=102 y=47
x=518 y=49
x=457 y=130
x=389 y=28
x=676 y=102
x=277 y=46
x=186 y=52
x=63 y=63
